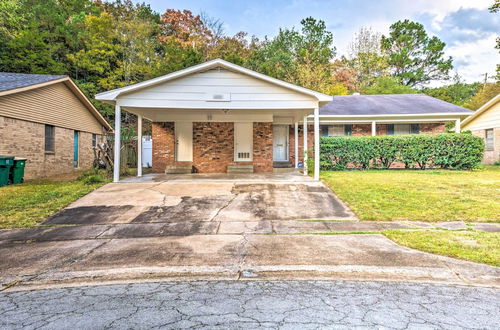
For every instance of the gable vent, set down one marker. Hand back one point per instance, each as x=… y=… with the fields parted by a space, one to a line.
x=218 y=97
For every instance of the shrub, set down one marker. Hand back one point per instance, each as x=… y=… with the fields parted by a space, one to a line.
x=447 y=151
x=93 y=179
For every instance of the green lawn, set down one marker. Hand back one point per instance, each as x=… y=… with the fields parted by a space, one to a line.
x=431 y=195
x=23 y=205
x=473 y=246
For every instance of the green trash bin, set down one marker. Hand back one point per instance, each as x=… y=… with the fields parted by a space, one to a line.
x=6 y=163
x=17 y=171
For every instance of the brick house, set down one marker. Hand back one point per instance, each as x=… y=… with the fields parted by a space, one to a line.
x=485 y=123
x=49 y=121
x=219 y=117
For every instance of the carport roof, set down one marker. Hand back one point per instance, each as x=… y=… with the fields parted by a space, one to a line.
x=390 y=104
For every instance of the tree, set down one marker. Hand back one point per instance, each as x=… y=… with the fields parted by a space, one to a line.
x=300 y=57
x=495 y=8
x=365 y=58
x=486 y=93
x=388 y=85
x=458 y=93
x=413 y=56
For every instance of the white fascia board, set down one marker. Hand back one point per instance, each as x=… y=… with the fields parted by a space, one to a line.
x=113 y=94
x=446 y=114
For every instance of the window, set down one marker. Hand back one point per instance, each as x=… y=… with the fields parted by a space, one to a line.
x=490 y=143
x=94 y=140
x=336 y=130
x=403 y=129
x=49 y=138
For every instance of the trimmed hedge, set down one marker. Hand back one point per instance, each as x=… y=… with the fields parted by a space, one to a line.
x=447 y=151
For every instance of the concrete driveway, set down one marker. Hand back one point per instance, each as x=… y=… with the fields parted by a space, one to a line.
x=263 y=227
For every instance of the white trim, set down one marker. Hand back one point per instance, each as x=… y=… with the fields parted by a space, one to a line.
x=457 y=126
x=112 y=95
x=316 y=144
x=296 y=144
x=116 y=160
x=388 y=121
x=374 y=128
x=139 y=146
x=396 y=115
x=479 y=111
x=304 y=133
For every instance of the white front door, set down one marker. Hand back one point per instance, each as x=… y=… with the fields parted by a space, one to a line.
x=280 y=143
x=184 y=141
x=243 y=142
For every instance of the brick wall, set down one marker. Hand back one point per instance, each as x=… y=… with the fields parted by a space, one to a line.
x=263 y=147
x=213 y=146
x=27 y=139
x=490 y=156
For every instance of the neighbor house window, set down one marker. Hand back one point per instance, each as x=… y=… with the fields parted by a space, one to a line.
x=403 y=129
x=94 y=140
x=490 y=143
x=49 y=138
x=336 y=130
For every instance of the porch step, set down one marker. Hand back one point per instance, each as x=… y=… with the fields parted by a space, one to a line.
x=178 y=169
x=282 y=165
x=232 y=169
x=283 y=170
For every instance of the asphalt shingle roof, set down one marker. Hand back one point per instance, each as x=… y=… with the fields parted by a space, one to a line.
x=390 y=104
x=10 y=80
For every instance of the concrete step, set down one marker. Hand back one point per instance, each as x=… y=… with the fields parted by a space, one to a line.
x=282 y=164
x=233 y=169
x=178 y=169
x=283 y=170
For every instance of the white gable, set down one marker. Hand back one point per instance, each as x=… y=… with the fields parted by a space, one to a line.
x=215 y=89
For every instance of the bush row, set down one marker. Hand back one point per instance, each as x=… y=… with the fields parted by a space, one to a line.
x=448 y=151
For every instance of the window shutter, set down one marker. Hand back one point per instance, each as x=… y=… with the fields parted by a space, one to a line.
x=348 y=130
x=415 y=129
x=324 y=130
x=390 y=129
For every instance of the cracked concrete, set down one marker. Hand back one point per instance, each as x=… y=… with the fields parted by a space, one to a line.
x=284 y=305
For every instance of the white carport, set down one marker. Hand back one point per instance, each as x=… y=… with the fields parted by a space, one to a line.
x=217 y=91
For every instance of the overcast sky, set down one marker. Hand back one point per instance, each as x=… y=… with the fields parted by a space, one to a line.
x=466 y=26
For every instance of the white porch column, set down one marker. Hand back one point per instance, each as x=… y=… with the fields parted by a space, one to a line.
x=457 y=126
x=296 y=144
x=116 y=160
x=139 y=145
x=374 y=128
x=316 y=143
x=304 y=131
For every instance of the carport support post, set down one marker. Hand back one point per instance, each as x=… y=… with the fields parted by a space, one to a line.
x=304 y=132
x=296 y=144
x=139 y=145
x=316 y=143
x=116 y=160
x=457 y=126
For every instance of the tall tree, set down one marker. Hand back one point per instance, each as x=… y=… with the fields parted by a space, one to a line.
x=388 y=85
x=365 y=57
x=495 y=8
x=486 y=93
x=458 y=92
x=413 y=56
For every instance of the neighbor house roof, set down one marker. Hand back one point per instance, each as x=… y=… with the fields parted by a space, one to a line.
x=481 y=110
x=390 y=104
x=11 y=83
x=113 y=94
x=10 y=80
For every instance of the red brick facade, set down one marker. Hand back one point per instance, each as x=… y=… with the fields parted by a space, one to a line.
x=213 y=144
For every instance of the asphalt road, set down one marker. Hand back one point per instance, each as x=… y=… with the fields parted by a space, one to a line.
x=240 y=304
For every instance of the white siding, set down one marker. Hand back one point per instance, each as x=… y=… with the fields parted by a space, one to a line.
x=193 y=91
x=490 y=118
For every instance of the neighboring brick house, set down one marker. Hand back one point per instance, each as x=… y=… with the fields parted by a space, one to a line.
x=48 y=120
x=220 y=117
x=485 y=123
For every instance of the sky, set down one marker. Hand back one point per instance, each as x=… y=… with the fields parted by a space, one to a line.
x=466 y=26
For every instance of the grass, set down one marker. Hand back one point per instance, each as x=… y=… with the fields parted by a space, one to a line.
x=473 y=246
x=23 y=205
x=431 y=195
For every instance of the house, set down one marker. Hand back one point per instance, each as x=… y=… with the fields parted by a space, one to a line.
x=220 y=117
x=49 y=121
x=485 y=123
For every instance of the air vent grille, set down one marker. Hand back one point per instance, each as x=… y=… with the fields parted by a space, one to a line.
x=243 y=155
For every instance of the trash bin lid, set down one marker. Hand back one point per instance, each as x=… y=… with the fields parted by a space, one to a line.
x=19 y=158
